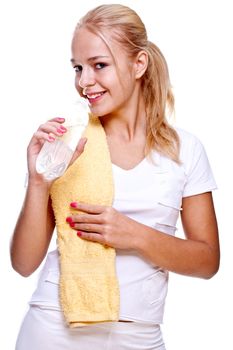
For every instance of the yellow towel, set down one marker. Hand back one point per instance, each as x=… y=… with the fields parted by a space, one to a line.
x=89 y=289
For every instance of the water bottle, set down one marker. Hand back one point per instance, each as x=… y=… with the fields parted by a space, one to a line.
x=54 y=157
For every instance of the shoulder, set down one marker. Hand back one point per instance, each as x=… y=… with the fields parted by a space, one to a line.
x=190 y=145
x=195 y=162
x=186 y=137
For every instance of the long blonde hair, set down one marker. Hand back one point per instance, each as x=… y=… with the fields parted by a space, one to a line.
x=126 y=27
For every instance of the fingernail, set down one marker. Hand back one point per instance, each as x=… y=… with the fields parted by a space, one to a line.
x=72 y=224
x=74 y=204
x=59 y=131
x=63 y=128
x=51 y=138
x=69 y=219
x=79 y=234
x=60 y=119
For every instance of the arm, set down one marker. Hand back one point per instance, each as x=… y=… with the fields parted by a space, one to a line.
x=35 y=225
x=197 y=255
x=33 y=230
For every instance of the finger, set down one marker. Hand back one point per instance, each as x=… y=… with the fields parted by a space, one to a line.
x=92 y=236
x=44 y=136
x=53 y=126
x=86 y=227
x=88 y=208
x=81 y=145
x=79 y=149
x=84 y=218
x=49 y=132
x=58 y=120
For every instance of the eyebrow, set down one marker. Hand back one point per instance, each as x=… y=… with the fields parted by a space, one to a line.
x=90 y=59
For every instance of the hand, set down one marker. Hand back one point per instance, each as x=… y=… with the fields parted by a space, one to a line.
x=104 y=225
x=48 y=131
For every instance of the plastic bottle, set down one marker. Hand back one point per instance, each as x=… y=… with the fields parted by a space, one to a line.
x=55 y=157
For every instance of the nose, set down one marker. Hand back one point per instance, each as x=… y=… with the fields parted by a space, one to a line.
x=86 y=78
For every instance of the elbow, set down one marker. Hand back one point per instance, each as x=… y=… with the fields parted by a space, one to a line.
x=24 y=267
x=22 y=270
x=211 y=273
x=212 y=269
x=24 y=273
x=212 y=263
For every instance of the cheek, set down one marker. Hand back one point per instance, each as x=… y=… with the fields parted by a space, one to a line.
x=77 y=86
x=127 y=88
x=109 y=80
x=127 y=81
x=76 y=82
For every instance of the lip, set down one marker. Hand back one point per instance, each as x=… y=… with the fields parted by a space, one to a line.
x=94 y=96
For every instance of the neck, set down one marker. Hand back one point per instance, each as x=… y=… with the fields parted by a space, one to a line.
x=127 y=123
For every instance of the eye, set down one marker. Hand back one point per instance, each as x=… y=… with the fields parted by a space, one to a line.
x=78 y=68
x=100 y=65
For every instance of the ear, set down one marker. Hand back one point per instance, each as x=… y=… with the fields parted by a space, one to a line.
x=140 y=64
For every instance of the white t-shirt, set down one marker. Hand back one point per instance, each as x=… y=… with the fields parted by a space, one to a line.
x=150 y=193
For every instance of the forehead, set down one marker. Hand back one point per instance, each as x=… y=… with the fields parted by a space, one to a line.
x=86 y=43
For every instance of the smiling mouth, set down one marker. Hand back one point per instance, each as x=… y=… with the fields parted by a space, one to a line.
x=94 y=96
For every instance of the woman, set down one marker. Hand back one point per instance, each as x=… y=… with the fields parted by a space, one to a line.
x=157 y=170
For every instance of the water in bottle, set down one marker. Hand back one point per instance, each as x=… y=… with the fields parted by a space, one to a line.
x=55 y=157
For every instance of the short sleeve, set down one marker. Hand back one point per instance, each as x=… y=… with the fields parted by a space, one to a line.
x=199 y=175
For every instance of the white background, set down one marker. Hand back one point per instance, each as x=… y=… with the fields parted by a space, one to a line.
x=35 y=74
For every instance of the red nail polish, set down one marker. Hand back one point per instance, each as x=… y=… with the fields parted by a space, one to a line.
x=59 y=131
x=79 y=234
x=69 y=219
x=73 y=204
x=62 y=128
x=72 y=224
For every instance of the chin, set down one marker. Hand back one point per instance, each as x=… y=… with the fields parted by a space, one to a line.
x=100 y=112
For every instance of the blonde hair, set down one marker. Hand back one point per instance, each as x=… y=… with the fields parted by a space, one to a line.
x=126 y=27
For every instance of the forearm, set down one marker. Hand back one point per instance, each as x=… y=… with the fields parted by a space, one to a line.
x=33 y=230
x=182 y=256
x=198 y=255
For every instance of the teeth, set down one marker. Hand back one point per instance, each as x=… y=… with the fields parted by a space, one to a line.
x=95 y=95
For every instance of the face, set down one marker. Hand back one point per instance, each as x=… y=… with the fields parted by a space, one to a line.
x=108 y=83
